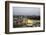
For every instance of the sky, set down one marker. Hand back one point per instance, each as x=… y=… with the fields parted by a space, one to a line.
x=26 y=11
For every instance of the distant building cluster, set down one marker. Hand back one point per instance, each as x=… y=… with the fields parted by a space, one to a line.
x=26 y=21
